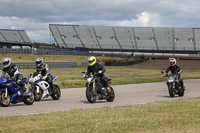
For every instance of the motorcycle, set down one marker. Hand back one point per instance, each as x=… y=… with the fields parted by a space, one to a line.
x=42 y=89
x=95 y=89
x=174 y=86
x=10 y=92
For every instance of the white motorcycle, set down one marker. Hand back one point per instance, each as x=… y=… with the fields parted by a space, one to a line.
x=41 y=88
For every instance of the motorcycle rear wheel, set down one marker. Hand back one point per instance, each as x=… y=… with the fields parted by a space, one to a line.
x=89 y=95
x=56 y=93
x=28 y=100
x=4 y=102
x=111 y=95
x=181 y=92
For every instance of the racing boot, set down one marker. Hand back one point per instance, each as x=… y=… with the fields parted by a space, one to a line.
x=183 y=87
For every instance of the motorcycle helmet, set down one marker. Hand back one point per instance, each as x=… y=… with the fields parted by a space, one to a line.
x=6 y=62
x=172 y=61
x=91 y=61
x=39 y=61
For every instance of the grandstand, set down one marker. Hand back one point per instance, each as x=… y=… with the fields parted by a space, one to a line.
x=9 y=38
x=127 y=39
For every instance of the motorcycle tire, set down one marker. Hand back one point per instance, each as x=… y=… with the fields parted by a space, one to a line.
x=56 y=93
x=3 y=101
x=181 y=92
x=111 y=95
x=89 y=95
x=171 y=90
x=28 y=100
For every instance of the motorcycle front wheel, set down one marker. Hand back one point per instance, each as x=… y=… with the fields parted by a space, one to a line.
x=4 y=101
x=38 y=95
x=90 y=96
x=171 y=90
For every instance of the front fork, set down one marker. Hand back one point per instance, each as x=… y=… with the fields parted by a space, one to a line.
x=6 y=93
x=93 y=88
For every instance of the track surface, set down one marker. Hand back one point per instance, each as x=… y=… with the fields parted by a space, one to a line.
x=125 y=95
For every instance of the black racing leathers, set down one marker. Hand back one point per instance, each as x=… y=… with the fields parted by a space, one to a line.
x=43 y=69
x=14 y=73
x=99 y=70
x=176 y=69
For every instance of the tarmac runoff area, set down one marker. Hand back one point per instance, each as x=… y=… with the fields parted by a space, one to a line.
x=125 y=95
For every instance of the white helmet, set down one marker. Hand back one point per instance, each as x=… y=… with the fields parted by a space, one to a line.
x=39 y=61
x=6 y=62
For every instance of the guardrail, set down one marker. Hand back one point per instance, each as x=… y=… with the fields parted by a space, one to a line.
x=32 y=65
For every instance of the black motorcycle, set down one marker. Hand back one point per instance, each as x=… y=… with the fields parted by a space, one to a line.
x=174 y=86
x=95 y=89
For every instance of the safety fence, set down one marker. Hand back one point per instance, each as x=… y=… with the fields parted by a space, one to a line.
x=85 y=63
x=61 y=52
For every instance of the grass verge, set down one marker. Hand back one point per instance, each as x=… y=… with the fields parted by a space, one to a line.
x=72 y=77
x=173 y=116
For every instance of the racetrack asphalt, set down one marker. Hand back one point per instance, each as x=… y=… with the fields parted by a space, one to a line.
x=125 y=95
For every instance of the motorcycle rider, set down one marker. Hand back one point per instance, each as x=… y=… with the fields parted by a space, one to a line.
x=95 y=67
x=43 y=69
x=13 y=72
x=175 y=69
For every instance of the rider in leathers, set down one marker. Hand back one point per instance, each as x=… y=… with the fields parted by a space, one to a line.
x=43 y=69
x=175 y=69
x=13 y=72
x=96 y=68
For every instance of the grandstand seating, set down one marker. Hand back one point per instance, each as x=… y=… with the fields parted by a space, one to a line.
x=14 y=36
x=182 y=39
x=127 y=38
x=146 y=39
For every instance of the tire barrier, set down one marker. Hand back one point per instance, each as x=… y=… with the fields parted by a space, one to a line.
x=31 y=65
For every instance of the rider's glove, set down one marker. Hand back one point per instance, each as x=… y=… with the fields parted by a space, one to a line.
x=165 y=74
x=44 y=77
x=85 y=76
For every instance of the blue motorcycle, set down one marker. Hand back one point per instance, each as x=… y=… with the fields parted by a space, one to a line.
x=10 y=92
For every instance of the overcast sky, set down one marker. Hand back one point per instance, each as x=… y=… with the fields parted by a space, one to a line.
x=34 y=16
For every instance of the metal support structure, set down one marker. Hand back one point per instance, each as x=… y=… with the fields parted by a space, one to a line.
x=117 y=38
x=194 y=40
x=134 y=38
x=78 y=36
x=173 y=39
x=96 y=37
x=61 y=37
x=155 y=39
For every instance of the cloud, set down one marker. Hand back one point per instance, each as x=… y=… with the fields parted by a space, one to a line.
x=35 y=16
x=36 y=30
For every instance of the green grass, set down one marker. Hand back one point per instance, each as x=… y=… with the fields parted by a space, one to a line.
x=72 y=77
x=166 y=117
x=59 y=58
